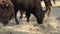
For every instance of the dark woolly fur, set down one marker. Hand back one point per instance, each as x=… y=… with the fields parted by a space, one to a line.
x=6 y=13
x=30 y=6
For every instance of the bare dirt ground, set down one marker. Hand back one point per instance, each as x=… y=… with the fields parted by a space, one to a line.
x=51 y=25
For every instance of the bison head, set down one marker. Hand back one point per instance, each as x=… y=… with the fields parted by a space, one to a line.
x=40 y=17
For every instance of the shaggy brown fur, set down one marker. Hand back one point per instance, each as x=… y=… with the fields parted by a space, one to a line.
x=6 y=12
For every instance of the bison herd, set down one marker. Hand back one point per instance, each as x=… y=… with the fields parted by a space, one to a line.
x=9 y=9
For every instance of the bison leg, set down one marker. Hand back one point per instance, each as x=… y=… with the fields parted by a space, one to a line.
x=54 y=1
x=21 y=14
x=28 y=14
x=49 y=10
x=16 y=10
x=48 y=7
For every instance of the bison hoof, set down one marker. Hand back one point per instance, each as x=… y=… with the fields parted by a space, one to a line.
x=17 y=23
x=48 y=15
x=39 y=23
x=20 y=17
x=28 y=20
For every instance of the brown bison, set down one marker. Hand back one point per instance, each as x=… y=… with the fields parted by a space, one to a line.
x=6 y=12
x=30 y=6
x=48 y=5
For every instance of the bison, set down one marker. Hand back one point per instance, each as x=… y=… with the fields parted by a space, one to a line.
x=48 y=5
x=30 y=6
x=6 y=12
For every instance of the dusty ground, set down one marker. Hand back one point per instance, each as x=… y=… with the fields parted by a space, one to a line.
x=51 y=25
